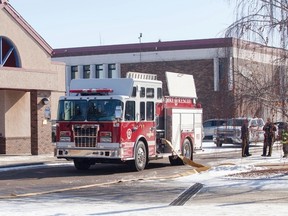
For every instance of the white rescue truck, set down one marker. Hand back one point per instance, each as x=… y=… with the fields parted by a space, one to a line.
x=127 y=119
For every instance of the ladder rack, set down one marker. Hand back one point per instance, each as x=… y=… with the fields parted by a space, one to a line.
x=142 y=76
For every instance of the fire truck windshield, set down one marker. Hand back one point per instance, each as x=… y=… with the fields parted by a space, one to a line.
x=88 y=110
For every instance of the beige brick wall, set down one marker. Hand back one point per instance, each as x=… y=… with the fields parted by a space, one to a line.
x=23 y=129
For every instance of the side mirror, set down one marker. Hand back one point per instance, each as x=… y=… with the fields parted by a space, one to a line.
x=118 y=112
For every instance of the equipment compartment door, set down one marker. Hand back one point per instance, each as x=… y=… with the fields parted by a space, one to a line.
x=186 y=120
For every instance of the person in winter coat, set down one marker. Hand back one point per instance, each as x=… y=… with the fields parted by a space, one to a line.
x=245 y=139
x=285 y=141
x=269 y=129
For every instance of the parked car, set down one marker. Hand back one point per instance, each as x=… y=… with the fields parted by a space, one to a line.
x=231 y=132
x=210 y=125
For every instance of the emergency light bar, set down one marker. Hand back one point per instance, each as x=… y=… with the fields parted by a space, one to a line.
x=91 y=91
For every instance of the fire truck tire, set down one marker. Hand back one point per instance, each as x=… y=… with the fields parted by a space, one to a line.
x=187 y=149
x=186 y=152
x=81 y=164
x=140 y=161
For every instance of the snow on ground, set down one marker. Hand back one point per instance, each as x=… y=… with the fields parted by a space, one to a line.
x=229 y=175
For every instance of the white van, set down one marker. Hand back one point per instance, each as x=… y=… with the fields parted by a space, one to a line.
x=210 y=125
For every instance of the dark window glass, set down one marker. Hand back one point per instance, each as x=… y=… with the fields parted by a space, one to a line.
x=150 y=111
x=111 y=70
x=134 y=92
x=74 y=72
x=150 y=92
x=99 y=69
x=86 y=71
x=72 y=110
x=159 y=93
x=142 y=92
x=142 y=111
x=8 y=53
x=102 y=110
x=207 y=124
x=130 y=111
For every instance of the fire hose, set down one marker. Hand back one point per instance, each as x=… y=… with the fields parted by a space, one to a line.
x=199 y=167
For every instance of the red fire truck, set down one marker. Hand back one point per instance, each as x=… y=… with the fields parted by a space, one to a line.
x=126 y=119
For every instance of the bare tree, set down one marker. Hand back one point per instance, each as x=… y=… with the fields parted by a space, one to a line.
x=266 y=23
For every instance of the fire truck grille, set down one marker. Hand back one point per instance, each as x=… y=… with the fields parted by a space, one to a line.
x=85 y=135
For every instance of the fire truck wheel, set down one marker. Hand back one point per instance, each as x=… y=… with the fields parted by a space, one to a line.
x=81 y=164
x=140 y=161
x=186 y=152
x=187 y=149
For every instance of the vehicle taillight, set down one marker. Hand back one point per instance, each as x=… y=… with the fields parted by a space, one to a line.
x=65 y=136
x=105 y=137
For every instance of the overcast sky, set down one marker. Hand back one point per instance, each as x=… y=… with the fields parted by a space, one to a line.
x=71 y=23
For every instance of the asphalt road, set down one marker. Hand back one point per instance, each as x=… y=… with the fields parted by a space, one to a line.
x=106 y=182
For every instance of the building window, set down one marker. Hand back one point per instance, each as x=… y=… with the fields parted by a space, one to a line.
x=98 y=70
x=74 y=72
x=86 y=71
x=111 y=70
x=8 y=53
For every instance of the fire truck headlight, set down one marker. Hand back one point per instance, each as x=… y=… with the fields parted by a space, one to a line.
x=65 y=139
x=105 y=137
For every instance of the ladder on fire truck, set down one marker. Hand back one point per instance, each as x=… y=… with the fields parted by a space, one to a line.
x=142 y=76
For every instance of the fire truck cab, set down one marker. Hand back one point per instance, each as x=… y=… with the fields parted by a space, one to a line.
x=126 y=119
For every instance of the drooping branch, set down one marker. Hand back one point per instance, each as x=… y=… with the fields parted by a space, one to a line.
x=266 y=23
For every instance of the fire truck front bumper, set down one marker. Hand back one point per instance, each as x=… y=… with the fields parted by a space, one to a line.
x=76 y=152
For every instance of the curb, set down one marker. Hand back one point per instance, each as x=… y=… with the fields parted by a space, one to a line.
x=21 y=165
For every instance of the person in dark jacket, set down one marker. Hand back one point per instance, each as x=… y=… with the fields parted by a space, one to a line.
x=245 y=139
x=285 y=141
x=269 y=129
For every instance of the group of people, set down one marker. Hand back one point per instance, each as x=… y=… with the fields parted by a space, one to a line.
x=269 y=137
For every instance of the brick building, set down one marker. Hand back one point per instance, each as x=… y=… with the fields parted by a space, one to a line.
x=214 y=63
x=30 y=86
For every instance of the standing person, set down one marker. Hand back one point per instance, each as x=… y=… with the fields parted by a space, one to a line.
x=245 y=139
x=269 y=129
x=285 y=141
